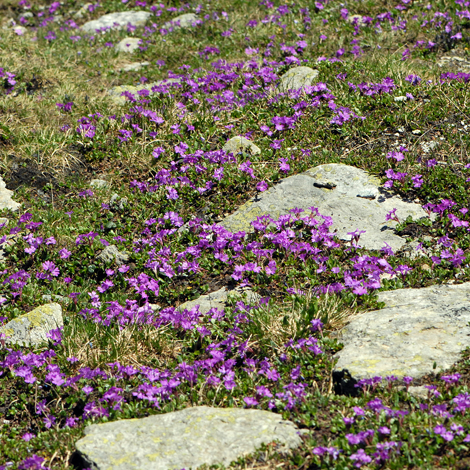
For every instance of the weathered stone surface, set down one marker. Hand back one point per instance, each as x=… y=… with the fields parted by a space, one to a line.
x=183 y=439
x=134 y=66
x=117 y=91
x=117 y=20
x=6 y=202
x=417 y=328
x=111 y=253
x=241 y=144
x=298 y=77
x=351 y=196
x=182 y=21
x=128 y=45
x=219 y=299
x=32 y=328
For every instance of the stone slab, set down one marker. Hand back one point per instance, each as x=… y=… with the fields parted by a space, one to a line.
x=183 y=439
x=32 y=328
x=298 y=77
x=128 y=45
x=117 y=20
x=352 y=197
x=219 y=299
x=417 y=328
x=241 y=144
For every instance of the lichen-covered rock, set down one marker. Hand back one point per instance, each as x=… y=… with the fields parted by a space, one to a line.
x=241 y=144
x=117 y=20
x=128 y=45
x=99 y=184
x=31 y=329
x=417 y=328
x=182 y=21
x=183 y=439
x=298 y=77
x=219 y=299
x=111 y=253
x=6 y=202
x=351 y=196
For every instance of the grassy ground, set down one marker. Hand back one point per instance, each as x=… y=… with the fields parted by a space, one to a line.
x=124 y=351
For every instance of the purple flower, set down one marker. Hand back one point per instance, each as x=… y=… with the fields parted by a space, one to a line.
x=28 y=436
x=250 y=401
x=360 y=458
x=262 y=186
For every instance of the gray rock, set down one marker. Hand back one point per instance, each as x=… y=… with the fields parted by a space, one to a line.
x=417 y=328
x=128 y=45
x=428 y=146
x=184 y=439
x=99 y=184
x=241 y=144
x=117 y=203
x=351 y=196
x=20 y=30
x=117 y=20
x=6 y=202
x=111 y=253
x=182 y=21
x=419 y=391
x=134 y=67
x=297 y=77
x=399 y=99
x=454 y=62
x=219 y=299
x=57 y=298
x=32 y=328
x=117 y=91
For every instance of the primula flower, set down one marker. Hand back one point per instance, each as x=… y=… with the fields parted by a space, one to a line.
x=250 y=401
x=262 y=186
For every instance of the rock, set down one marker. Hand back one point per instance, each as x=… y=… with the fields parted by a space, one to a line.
x=183 y=439
x=57 y=298
x=357 y=19
x=219 y=299
x=297 y=77
x=182 y=21
x=99 y=184
x=399 y=99
x=6 y=202
x=241 y=144
x=419 y=391
x=111 y=253
x=454 y=62
x=117 y=20
x=31 y=328
x=428 y=146
x=351 y=196
x=416 y=132
x=20 y=30
x=117 y=203
x=417 y=328
x=134 y=67
x=128 y=45
x=117 y=91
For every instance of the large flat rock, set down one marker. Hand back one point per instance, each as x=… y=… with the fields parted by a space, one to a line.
x=417 y=328
x=31 y=329
x=117 y=20
x=183 y=439
x=349 y=195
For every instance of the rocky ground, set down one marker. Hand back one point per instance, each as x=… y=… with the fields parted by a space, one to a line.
x=234 y=234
